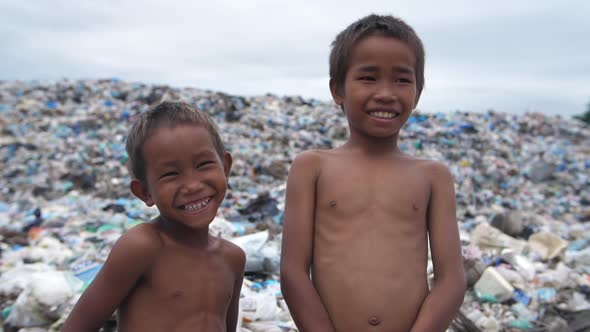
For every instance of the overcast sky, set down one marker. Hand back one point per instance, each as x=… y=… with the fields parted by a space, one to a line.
x=512 y=56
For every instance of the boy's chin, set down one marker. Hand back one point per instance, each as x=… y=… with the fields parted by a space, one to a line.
x=188 y=223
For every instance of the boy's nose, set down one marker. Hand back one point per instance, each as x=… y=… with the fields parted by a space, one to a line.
x=385 y=94
x=192 y=185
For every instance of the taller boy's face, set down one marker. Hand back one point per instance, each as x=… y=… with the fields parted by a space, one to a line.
x=185 y=177
x=380 y=86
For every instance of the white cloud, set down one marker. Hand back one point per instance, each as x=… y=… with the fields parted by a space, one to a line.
x=511 y=56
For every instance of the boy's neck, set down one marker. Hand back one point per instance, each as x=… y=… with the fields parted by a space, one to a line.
x=190 y=237
x=374 y=145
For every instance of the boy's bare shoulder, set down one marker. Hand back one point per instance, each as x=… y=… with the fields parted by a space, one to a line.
x=311 y=156
x=312 y=159
x=136 y=250
x=436 y=173
x=436 y=170
x=143 y=239
x=233 y=253
x=427 y=166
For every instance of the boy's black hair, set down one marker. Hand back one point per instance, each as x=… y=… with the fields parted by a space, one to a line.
x=385 y=25
x=166 y=114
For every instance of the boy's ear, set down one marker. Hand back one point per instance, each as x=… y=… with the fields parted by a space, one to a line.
x=417 y=100
x=141 y=192
x=227 y=161
x=336 y=95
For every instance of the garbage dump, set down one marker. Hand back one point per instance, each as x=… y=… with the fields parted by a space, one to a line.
x=522 y=183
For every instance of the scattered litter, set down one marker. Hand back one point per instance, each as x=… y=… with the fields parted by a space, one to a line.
x=523 y=203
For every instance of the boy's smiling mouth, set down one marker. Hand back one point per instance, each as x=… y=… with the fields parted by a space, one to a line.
x=384 y=114
x=196 y=205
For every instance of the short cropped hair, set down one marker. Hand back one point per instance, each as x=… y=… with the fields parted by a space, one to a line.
x=385 y=25
x=166 y=114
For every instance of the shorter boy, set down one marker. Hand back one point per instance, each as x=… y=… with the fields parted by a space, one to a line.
x=170 y=274
x=359 y=217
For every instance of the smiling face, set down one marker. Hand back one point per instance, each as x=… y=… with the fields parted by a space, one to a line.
x=185 y=176
x=379 y=90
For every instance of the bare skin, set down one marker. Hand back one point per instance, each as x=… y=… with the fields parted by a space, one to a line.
x=359 y=217
x=163 y=285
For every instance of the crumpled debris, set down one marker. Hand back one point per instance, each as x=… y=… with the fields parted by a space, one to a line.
x=523 y=203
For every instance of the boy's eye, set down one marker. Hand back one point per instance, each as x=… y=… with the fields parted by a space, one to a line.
x=167 y=174
x=204 y=163
x=366 y=78
x=403 y=80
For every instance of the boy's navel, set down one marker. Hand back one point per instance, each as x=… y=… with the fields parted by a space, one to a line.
x=333 y=204
x=374 y=320
x=176 y=294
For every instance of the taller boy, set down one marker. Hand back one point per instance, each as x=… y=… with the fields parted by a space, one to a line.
x=359 y=216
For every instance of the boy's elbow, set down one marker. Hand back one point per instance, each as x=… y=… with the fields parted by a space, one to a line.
x=286 y=279
x=459 y=288
x=290 y=278
x=462 y=283
x=455 y=287
x=287 y=271
x=460 y=292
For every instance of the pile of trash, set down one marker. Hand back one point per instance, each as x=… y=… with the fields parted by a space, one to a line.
x=523 y=203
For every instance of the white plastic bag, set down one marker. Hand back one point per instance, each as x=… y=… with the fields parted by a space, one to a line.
x=44 y=299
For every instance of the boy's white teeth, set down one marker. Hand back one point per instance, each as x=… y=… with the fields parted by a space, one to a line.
x=197 y=205
x=384 y=115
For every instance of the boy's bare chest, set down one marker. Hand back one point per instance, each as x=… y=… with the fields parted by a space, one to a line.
x=346 y=191
x=190 y=281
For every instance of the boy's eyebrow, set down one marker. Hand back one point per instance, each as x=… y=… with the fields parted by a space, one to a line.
x=168 y=163
x=205 y=153
x=403 y=69
x=397 y=69
x=172 y=163
x=368 y=69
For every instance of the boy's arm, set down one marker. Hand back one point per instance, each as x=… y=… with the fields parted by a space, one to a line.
x=129 y=258
x=303 y=301
x=446 y=296
x=238 y=258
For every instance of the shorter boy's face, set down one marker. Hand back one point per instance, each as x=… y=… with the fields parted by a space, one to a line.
x=380 y=86
x=185 y=177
